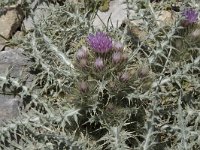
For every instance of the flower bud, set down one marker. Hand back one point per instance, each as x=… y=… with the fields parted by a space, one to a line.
x=83 y=63
x=81 y=53
x=125 y=76
x=83 y=86
x=143 y=72
x=116 y=57
x=124 y=57
x=99 y=63
x=118 y=46
x=112 y=85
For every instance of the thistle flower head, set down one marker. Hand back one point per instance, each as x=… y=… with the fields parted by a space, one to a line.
x=100 y=42
x=98 y=63
x=116 y=57
x=125 y=76
x=117 y=46
x=191 y=15
x=83 y=86
x=81 y=53
x=143 y=72
x=124 y=57
x=83 y=62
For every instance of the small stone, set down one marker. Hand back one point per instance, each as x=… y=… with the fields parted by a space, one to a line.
x=165 y=18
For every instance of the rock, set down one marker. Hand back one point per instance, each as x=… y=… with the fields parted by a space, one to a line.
x=117 y=13
x=165 y=18
x=10 y=22
x=17 y=61
x=9 y=107
x=8 y=103
x=140 y=34
x=40 y=11
x=12 y=56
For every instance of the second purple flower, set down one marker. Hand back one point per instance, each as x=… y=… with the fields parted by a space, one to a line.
x=191 y=15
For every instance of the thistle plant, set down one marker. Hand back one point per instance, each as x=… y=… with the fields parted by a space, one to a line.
x=105 y=69
x=106 y=60
x=99 y=89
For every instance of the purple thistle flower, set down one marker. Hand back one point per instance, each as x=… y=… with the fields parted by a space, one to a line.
x=116 y=57
x=191 y=15
x=98 y=63
x=100 y=42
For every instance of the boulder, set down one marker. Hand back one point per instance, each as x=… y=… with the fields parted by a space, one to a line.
x=14 y=60
x=40 y=10
x=9 y=107
x=165 y=18
x=10 y=21
x=117 y=14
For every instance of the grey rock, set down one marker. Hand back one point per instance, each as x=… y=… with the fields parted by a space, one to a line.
x=8 y=103
x=40 y=11
x=12 y=56
x=9 y=107
x=28 y=24
x=14 y=61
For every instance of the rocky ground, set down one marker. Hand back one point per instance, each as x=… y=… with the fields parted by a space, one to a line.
x=12 y=61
